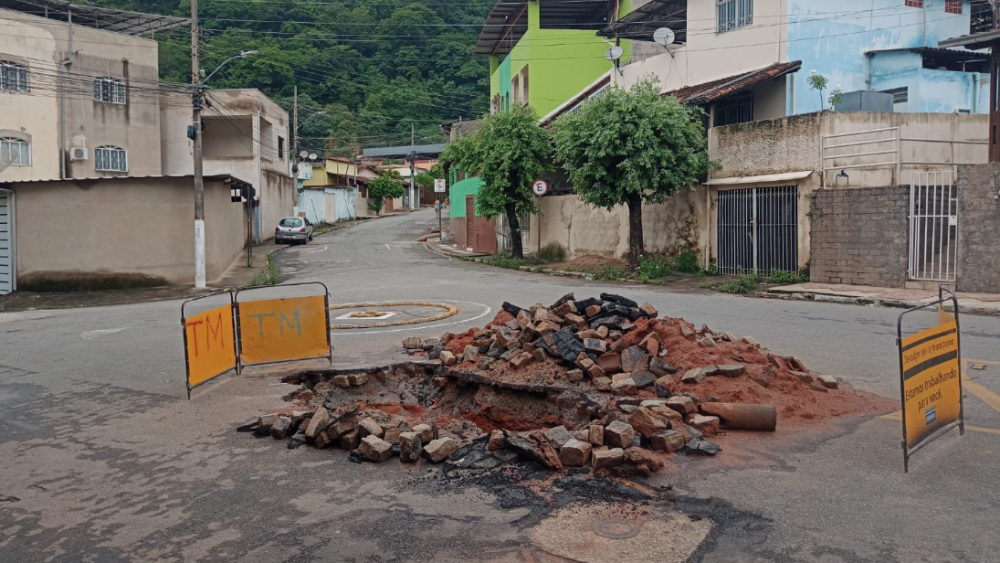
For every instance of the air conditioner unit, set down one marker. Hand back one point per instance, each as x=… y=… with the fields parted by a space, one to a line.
x=78 y=153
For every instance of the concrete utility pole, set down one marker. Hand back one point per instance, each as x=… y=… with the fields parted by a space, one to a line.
x=199 y=180
x=413 y=165
x=295 y=129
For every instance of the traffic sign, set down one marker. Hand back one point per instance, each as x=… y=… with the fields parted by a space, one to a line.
x=440 y=186
x=540 y=187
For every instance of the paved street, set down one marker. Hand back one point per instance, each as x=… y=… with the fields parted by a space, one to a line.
x=103 y=459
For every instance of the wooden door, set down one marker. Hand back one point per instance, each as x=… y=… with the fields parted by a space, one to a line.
x=470 y=221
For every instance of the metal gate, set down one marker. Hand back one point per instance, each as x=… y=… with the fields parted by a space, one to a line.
x=7 y=266
x=933 y=227
x=758 y=230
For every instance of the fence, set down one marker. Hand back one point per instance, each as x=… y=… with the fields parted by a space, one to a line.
x=888 y=149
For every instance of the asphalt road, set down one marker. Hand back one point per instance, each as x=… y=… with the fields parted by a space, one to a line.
x=102 y=458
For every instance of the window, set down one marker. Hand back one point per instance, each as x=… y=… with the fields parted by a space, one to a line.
x=738 y=109
x=281 y=147
x=524 y=85
x=13 y=76
x=734 y=14
x=110 y=159
x=290 y=222
x=900 y=98
x=915 y=3
x=981 y=16
x=110 y=90
x=953 y=6
x=14 y=152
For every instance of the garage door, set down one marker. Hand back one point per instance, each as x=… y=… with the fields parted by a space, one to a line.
x=6 y=242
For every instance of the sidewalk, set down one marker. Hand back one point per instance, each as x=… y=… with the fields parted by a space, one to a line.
x=433 y=243
x=973 y=303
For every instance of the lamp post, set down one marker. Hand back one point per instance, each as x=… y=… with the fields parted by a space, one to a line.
x=194 y=132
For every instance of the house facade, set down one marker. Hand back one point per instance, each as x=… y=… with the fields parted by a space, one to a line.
x=90 y=139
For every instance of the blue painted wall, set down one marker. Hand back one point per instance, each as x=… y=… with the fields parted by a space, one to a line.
x=846 y=29
x=312 y=203
x=345 y=203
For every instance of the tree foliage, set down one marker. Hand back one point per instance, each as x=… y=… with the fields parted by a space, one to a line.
x=381 y=188
x=632 y=147
x=508 y=153
x=375 y=68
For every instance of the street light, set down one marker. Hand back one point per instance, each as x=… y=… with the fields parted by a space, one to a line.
x=194 y=132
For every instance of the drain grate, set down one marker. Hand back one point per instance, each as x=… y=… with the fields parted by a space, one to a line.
x=616 y=529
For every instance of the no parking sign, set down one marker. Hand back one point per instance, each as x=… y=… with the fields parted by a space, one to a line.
x=540 y=187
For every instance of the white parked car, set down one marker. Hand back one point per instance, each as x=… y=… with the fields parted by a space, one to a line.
x=293 y=230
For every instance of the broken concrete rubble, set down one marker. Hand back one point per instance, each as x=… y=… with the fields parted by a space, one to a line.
x=598 y=372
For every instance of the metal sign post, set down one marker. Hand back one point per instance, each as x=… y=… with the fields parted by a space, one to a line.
x=930 y=378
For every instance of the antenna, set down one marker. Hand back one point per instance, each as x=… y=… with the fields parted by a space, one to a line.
x=664 y=36
x=303 y=154
x=312 y=156
x=614 y=53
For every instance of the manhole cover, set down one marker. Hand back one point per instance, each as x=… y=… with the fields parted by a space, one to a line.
x=616 y=529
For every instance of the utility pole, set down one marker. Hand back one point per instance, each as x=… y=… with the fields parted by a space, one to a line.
x=413 y=166
x=199 y=180
x=295 y=128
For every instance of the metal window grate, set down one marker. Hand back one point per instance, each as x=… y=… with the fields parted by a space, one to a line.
x=981 y=17
x=110 y=159
x=14 y=152
x=13 y=76
x=734 y=14
x=110 y=90
x=933 y=227
x=758 y=230
x=738 y=109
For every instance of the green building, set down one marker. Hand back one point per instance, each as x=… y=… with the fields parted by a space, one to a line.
x=542 y=53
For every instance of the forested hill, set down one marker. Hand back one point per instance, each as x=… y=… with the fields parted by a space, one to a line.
x=374 y=66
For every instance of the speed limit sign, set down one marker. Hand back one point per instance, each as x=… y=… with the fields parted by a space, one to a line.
x=540 y=187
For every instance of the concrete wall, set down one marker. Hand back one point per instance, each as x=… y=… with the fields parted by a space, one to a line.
x=131 y=225
x=581 y=229
x=860 y=236
x=341 y=204
x=978 y=228
x=42 y=44
x=312 y=202
x=709 y=55
x=796 y=143
x=835 y=46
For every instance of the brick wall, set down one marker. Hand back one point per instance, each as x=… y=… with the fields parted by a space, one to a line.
x=978 y=229
x=859 y=236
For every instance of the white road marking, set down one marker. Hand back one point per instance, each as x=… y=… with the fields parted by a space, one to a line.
x=387 y=246
x=422 y=326
x=92 y=334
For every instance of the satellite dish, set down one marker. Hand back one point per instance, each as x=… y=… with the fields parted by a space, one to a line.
x=664 y=36
x=614 y=53
x=312 y=156
x=303 y=154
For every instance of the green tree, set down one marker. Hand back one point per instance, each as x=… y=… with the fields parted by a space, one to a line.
x=381 y=188
x=629 y=148
x=508 y=153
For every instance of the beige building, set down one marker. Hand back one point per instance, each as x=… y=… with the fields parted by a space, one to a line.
x=90 y=138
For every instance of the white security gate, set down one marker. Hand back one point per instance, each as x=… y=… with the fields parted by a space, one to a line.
x=933 y=227
x=758 y=230
x=7 y=271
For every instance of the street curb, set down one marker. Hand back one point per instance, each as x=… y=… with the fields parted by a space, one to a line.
x=867 y=301
x=528 y=269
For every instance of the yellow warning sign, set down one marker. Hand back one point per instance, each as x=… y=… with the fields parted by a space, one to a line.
x=932 y=395
x=211 y=348
x=273 y=330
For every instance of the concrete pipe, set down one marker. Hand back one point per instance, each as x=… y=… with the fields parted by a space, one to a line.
x=742 y=416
